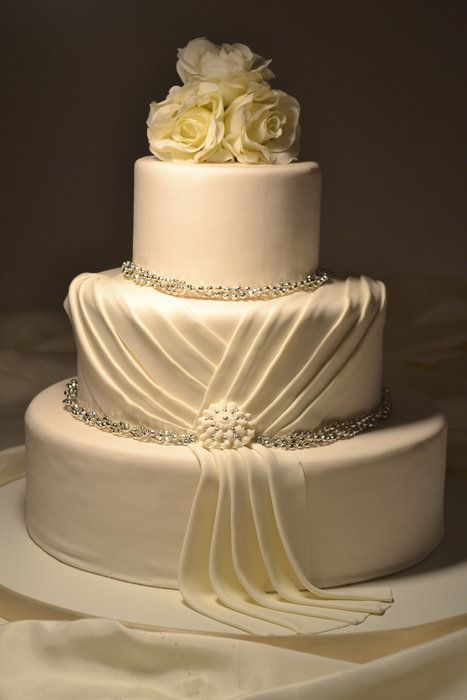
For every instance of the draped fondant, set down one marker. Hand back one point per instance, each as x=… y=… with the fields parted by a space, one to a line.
x=238 y=563
x=291 y=362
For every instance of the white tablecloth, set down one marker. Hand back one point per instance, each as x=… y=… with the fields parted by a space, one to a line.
x=96 y=659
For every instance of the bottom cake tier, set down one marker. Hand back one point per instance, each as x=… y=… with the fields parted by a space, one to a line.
x=120 y=508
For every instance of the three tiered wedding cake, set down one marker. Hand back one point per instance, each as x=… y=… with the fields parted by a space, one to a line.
x=260 y=465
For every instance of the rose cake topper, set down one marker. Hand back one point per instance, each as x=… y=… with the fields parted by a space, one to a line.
x=225 y=110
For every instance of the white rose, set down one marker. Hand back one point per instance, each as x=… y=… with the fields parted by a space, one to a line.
x=188 y=125
x=232 y=66
x=262 y=126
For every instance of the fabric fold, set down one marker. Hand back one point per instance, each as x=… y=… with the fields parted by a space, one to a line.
x=239 y=564
x=293 y=362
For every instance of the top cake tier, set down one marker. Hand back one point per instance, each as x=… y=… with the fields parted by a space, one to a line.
x=227 y=224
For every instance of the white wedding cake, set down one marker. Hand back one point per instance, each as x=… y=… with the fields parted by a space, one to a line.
x=233 y=438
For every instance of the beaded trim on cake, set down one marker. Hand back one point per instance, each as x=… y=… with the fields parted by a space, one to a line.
x=297 y=440
x=180 y=288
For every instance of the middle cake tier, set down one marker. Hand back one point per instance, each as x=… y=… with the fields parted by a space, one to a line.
x=293 y=362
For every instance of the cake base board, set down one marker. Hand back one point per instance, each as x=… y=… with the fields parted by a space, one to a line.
x=34 y=584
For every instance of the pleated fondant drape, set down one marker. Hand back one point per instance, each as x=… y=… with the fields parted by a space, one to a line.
x=291 y=363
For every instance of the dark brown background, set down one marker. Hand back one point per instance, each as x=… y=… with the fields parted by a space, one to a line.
x=380 y=86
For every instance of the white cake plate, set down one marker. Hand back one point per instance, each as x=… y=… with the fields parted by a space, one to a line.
x=34 y=584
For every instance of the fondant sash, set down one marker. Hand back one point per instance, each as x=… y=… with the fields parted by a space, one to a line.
x=239 y=563
x=162 y=362
x=291 y=362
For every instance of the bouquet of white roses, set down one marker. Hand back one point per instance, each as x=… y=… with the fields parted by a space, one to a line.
x=225 y=110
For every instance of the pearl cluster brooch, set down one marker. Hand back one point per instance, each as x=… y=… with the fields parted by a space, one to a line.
x=223 y=425
x=169 y=285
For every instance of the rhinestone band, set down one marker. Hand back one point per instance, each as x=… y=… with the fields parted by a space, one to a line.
x=122 y=428
x=332 y=432
x=298 y=440
x=169 y=285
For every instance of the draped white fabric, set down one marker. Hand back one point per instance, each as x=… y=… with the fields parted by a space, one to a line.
x=95 y=659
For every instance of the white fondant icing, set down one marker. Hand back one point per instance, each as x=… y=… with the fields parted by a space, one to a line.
x=118 y=507
x=227 y=224
x=35 y=584
x=241 y=543
x=291 y=362
x=229 y=526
